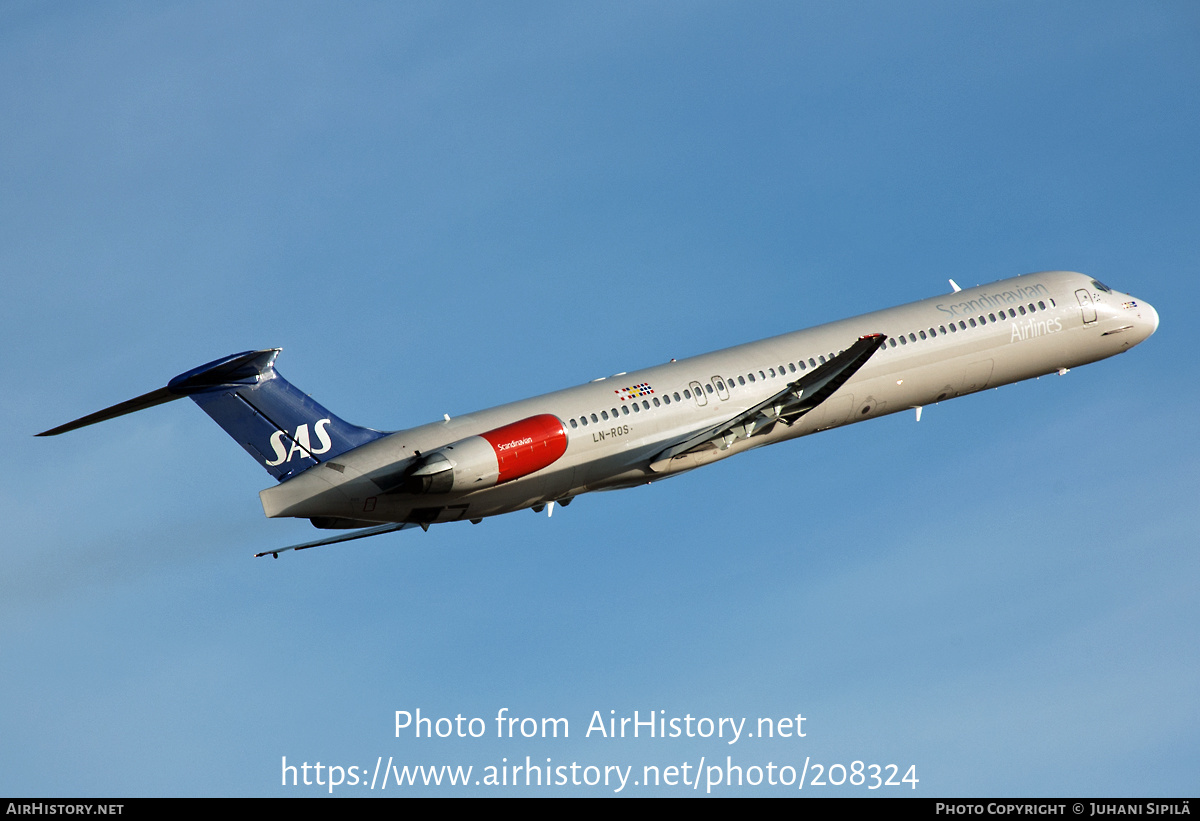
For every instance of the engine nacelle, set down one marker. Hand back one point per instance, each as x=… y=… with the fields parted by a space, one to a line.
x=491 y=458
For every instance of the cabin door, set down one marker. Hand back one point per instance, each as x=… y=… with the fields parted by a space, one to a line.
x=1085 y=303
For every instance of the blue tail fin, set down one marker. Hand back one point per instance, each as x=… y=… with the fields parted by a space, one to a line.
x=279 y=425
x=283 y=428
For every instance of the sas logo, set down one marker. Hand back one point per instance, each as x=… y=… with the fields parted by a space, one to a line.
x=300 y=443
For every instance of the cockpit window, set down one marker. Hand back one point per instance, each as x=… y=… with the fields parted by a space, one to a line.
x=1101 y=286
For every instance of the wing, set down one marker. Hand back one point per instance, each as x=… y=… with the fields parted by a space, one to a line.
x=785 y=407
x=345 y=537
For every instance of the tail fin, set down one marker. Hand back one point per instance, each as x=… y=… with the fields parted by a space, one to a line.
x=280 y=426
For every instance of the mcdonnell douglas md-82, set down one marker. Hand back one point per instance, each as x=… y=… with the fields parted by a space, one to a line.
x=635 y=428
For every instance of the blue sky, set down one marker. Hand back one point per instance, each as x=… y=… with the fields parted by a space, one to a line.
x=435 y=208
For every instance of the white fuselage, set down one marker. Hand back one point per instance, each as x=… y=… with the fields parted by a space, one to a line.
x=937 y=349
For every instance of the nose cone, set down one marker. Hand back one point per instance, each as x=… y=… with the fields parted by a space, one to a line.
x=1145 y=319
x=1148 y=318
x=1151 y=318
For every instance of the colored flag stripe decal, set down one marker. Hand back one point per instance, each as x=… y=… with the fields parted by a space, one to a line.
x=635 y=391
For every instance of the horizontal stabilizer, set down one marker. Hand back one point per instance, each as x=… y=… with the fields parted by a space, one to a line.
x=242 y=368
x=283 y=428
x=146 y=400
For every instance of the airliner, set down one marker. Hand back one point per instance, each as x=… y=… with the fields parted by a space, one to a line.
x=638 y=427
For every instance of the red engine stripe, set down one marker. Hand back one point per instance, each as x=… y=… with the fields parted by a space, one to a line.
x=528 y=445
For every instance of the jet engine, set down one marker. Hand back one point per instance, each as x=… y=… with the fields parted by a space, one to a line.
x=490 y=458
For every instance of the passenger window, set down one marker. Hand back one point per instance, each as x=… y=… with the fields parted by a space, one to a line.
x=594 y=419
x=645 y=404
x=656 y=403
x=625 y=409
x=574 y=424
x=604 y=415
